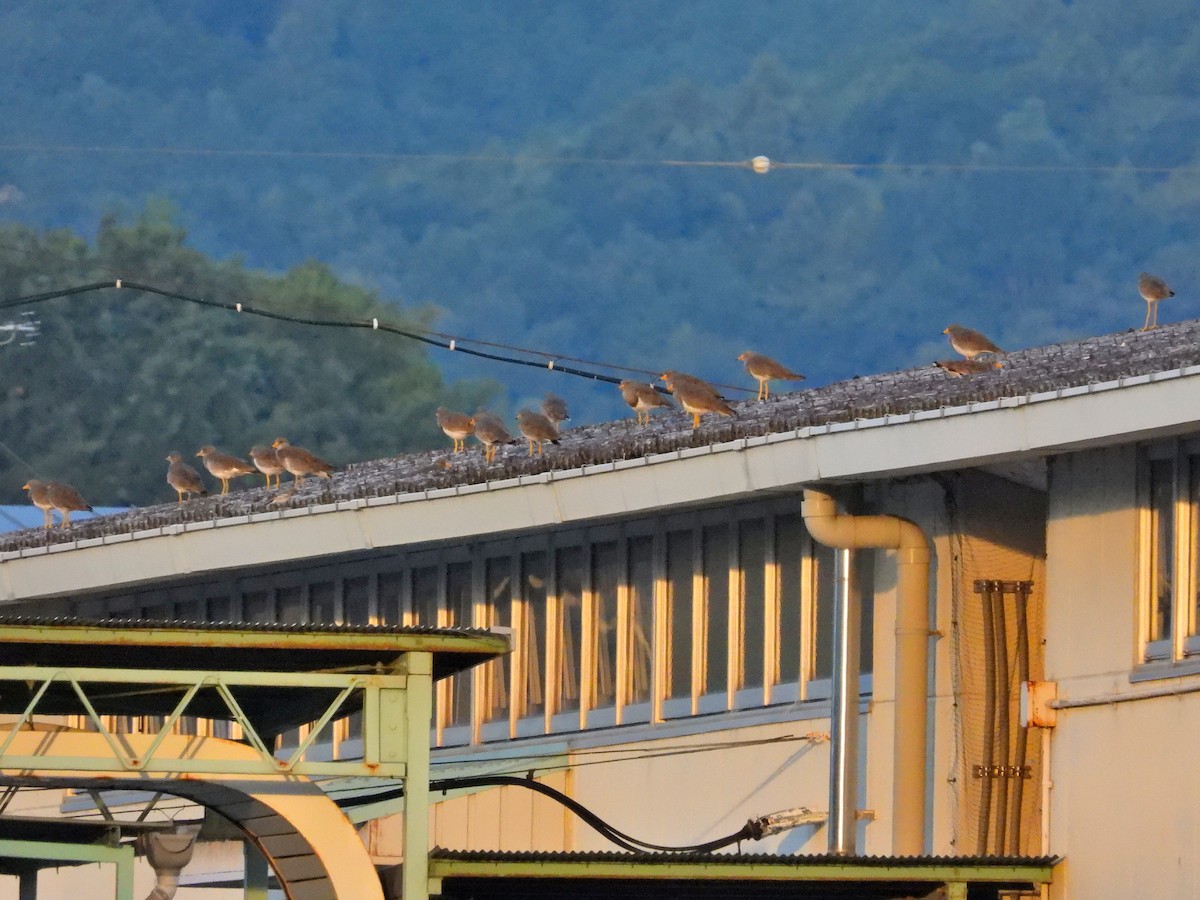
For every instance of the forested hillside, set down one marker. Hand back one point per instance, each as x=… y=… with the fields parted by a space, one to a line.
x=1010 y=165
x=120 y=378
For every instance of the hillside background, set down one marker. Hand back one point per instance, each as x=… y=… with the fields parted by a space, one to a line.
x=509 y=171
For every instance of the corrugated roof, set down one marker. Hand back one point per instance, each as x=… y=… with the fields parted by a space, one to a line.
x=1039 y=370
x=736 y=859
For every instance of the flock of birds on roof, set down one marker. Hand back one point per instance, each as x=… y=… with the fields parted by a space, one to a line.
x=694 y=395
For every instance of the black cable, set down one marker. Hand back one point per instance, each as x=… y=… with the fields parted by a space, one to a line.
x=620 y=838
x=373 y=324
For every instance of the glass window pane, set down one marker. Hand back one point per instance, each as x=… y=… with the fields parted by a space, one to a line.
x=1162 y=543
x=322 y=602
x=258 y=606
x=292 y=604
x=1194 y=504
x=789 y=568
x=679 y=599
x=569 y=582
x=498 y=585
x=605 y=578
x=425 y=595
x=823 y=638
x=220 y=609
x=391 y=587
x=459 y=614
x=752 y=560
x=716 y=601
x=356 y=600
x=533 y=643
x=640 y=559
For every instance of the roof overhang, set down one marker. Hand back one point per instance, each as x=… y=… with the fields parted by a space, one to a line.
x=471 y=873
x=989 y=433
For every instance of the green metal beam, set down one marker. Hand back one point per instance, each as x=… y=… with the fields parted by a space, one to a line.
x=52 y=853
x=261 y=638
x=734 y=870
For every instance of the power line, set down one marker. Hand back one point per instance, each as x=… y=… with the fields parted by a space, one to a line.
x=755 y=164
x=436 y=339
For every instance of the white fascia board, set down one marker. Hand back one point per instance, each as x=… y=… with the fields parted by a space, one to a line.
x=897 y=445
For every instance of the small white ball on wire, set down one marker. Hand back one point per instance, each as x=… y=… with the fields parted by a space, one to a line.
x=760 y=164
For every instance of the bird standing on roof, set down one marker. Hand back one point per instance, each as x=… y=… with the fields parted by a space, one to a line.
x=696 y=396
x=457 y=426
x=537 y=428
x=183 y=477
x=554 y=408
x=957 y=368
x=643 y=397
x=765 y=370
x=223 y=466
x=55 y=495
x=1153 y=290
x=300 y=462
x=969 y=342
x=490 y=432
x=266 y=460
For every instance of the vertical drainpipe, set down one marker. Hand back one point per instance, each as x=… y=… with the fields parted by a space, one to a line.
x=843 y=730
x=827 y=527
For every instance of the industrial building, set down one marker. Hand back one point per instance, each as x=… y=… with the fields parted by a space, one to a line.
x=911 y=632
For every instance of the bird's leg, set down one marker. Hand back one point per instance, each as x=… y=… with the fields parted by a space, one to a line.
x=180 y=493
x=66 y=518
x=695 y=420
x=49 y=517
x=1146 y=324
x=531 y=446
x=224 y=485
x=766 y=389
x=540 y=448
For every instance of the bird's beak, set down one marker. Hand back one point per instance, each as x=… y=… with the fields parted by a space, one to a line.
x=199 y=452
x=25 y=486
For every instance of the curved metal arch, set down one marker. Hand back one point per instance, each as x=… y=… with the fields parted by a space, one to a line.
x=315 y=851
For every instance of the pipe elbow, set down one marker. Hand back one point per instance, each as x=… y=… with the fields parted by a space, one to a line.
x=832 y=529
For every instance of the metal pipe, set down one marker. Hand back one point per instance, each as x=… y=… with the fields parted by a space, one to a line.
x=843 y=730
x=989 y=723
x=827 y=527
x=1022 y=611
x=1003 y=712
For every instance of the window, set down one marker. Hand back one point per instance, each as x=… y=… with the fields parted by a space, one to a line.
x=680 y=579
x=568 y=577
x=645 y=620
x=1169 y=584
x=532 y=609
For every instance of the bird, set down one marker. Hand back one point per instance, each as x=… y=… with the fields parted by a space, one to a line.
x=183 y=477
x=300 y=462
x=1153 y=290
x=55 y=495
x=956 y=368
x=266 y=460
x=457 y=426
x=766 y=370
x=969 y=342
x=643 y=397
x=223 y=466
x=554 y=408
x=696 y=396
x=537 y=428
x=490 y=432
x=672 y=376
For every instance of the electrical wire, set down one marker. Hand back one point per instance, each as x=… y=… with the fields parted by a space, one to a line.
x=620 y=838
x=435 y=339
x=600 y=161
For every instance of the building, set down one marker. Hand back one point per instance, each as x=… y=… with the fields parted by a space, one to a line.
x=684 y=635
